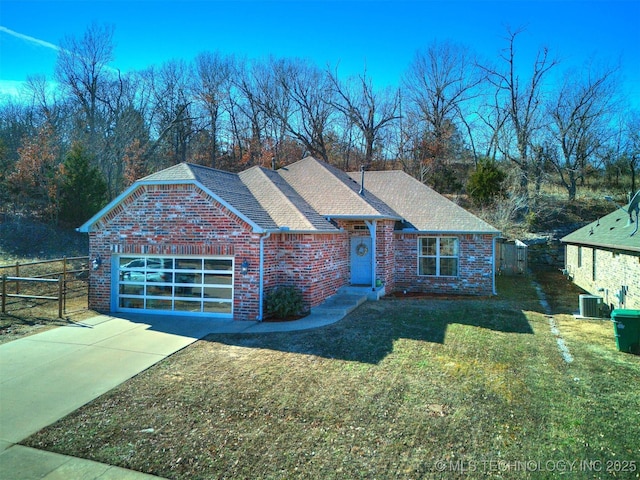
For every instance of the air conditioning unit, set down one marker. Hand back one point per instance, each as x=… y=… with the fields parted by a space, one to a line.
x=590 y=306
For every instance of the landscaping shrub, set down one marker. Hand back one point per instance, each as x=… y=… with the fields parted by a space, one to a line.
x=283 y=302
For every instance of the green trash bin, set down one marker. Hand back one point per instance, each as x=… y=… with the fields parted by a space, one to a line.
x=626 y=326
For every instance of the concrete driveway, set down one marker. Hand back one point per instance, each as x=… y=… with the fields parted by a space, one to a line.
x=49 y=375
x=46 y=376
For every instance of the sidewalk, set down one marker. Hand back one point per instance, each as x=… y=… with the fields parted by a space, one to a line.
x=46 y=376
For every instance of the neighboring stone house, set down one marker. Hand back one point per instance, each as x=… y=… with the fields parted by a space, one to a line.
x=603 y=258
x=194 y=240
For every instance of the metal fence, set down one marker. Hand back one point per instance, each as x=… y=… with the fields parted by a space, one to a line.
x=35 y=285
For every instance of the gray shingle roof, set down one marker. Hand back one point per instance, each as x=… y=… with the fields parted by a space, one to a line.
x=304 y=195
x=283 y=204
x=331 y=192
x=612 y=231
x=420 y=206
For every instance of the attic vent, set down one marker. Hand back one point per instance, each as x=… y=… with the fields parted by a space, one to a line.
x=359 y=227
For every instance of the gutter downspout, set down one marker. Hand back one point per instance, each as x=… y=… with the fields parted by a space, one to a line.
x=372 y=225
x=493 y=265
x=261 y=274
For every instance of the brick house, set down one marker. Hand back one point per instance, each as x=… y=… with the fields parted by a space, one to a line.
x=192 y=240
x=603 y=258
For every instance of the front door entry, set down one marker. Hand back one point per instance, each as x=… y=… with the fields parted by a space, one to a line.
x=361 y=264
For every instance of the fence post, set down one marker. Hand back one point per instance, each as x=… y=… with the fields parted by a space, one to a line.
x=17 y=275
x=64 y=267
x=60 y=292
x=4 y=293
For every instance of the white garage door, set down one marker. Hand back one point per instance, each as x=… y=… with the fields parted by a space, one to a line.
x=175 y=284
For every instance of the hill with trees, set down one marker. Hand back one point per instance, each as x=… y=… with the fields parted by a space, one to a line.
x=475 y=130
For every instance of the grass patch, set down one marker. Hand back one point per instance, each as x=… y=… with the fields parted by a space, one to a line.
x=394 y=388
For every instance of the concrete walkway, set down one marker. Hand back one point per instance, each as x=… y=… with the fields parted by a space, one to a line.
x=46 y=376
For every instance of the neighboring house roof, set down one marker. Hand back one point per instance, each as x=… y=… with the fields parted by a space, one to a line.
x=304 y=196
x=421 y=207
x=612 y=231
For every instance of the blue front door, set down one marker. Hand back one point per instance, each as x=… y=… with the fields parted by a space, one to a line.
x=361 y=261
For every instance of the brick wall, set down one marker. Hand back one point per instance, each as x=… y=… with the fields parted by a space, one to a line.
x=184 y=220
x=475 y=267
x=317 y=264
x=175 y=220
x=612 y=271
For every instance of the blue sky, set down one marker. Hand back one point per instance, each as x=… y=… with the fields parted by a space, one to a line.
x=381 y=35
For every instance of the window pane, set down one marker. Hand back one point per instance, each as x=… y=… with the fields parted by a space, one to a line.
x=217 y=279
x=130 y=262
x=194 y=292
x=189 y=278
x=159 y=277
x=154 y=263
x=188 y=264
x=131 y=303
x=449 y=267
x=217 y=307
x=131 y=289
x=449 y=247
x=160 y=290
x=427 y=266
x=155 y=304
x=217 y=293
x=187 y=306
x=133 y=276
x=428 y=246
x=218 y=264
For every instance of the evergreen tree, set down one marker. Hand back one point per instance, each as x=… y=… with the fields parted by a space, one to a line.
x=83 y=190
x=485 y=184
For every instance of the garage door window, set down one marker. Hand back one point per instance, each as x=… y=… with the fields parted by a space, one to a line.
x=163 y=284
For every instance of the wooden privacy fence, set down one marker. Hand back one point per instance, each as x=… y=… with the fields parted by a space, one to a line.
x=61 y=281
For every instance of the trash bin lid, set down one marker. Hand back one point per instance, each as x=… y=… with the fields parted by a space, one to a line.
x=625 y=313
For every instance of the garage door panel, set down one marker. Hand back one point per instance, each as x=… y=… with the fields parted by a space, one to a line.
x=218 y=279
x=220 y=264
x=218 y=307
x=180 y=284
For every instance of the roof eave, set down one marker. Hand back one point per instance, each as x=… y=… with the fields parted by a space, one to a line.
x=363 y=217
x=302 y=232
x=609 y=246
x=450 y=232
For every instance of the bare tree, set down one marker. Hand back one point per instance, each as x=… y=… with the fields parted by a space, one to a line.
x=213 y=74
x=580 y=116
x=82 y=68
x=309 y=108
x=369 y=110
x=246 y=110
x=171 y=119
x=632 y=146
x=440 y=82
x=520 y=107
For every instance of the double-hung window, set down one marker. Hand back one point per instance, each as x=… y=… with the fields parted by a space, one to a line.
x=438 y=256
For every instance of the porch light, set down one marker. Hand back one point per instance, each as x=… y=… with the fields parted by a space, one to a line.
x=244 y=267
x=96 y=262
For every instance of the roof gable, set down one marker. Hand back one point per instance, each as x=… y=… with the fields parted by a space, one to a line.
x=423 y=208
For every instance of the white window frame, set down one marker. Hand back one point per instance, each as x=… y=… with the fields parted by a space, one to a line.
x=139 y=280
x=438 y=256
